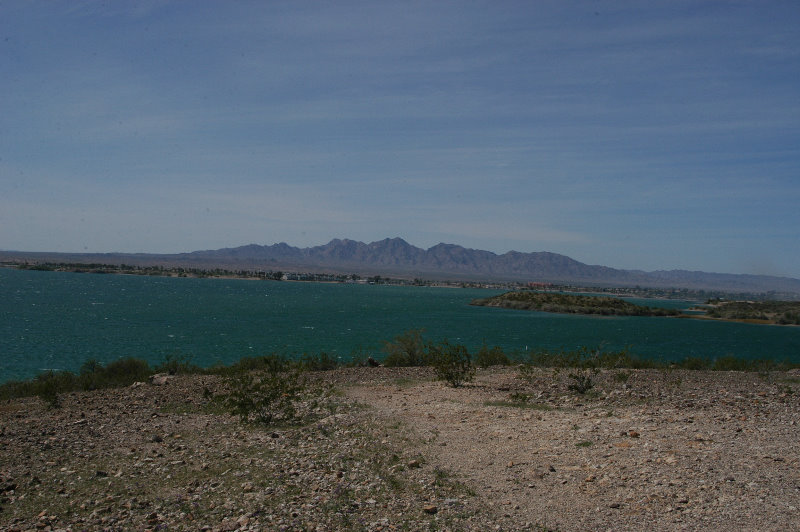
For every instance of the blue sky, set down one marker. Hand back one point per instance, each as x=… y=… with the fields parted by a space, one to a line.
x=639 y=135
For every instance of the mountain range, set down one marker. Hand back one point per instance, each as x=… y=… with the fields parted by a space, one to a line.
x=396 y=257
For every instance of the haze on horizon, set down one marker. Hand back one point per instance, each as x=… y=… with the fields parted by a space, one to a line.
x=653 y=135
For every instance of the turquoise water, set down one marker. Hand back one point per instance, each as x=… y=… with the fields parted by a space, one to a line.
x=54 y=320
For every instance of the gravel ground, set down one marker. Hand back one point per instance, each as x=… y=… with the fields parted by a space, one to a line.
x=641 y=450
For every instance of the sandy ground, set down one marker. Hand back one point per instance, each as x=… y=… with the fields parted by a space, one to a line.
x=641 y=450
x=663 y=451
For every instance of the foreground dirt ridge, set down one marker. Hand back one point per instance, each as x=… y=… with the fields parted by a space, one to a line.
x=642 y=450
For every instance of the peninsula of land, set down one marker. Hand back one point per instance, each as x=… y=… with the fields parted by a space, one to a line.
x=754 y=312
x=570 y=304
x=759 y=312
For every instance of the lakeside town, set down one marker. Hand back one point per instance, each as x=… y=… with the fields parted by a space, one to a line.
x=336 y=277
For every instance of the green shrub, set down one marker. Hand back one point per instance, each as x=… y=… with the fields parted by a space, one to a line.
x=695 y=363
x=90 y=367
x=50 y=384
x=620 y=359
x=175 y=364
x=588 y=358
x=407 y=349
x=271 y=362
x=451 y=362
x=622 y=376
x=582 y=382
x=495 y=356
x=125 y=372
x=93 y=376
x=730 y=363
x=519 y=397
x=321 y=362
x=266 y=397
x=527 y=373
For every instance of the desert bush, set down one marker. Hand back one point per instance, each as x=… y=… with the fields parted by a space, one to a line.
x=321 y=362
x=91 y=366
x=495 y=356
x=93 y=375
x=519 y=397
x=618 y=359
x=582 y=381
x=588 y=358
x=695 y=363
x=47 y=386
x=451 y=362
x=176 y=364
x=267 y=396
x=407 y=349
x=527 y=373
x=125 y=372
x=730 y=363
x=271 y=362
x=622 y=376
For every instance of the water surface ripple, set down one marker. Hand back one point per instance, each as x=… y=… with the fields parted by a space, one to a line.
x=56 y=320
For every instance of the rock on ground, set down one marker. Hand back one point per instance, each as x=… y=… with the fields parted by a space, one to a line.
x=642 y=450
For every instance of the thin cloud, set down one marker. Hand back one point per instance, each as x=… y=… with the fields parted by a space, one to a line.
x=630 y=136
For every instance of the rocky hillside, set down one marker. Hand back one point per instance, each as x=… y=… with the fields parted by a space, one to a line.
x=396 y=256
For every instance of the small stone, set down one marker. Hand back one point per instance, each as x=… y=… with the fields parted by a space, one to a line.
x=614 y=505
x=633 y=434
x=229 y=525
x=159 y=380
x=414 y=464
x=430 y=509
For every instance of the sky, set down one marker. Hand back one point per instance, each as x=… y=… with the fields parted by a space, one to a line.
x=640 y=135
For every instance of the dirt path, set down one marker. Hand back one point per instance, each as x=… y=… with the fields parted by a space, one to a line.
x=663 y=451
x=643 y=450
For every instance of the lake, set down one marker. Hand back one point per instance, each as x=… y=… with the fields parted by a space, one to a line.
x=58 y=320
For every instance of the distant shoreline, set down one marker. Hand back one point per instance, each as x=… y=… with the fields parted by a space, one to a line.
x=781 y=313
x=443 y=262
x=685 y=294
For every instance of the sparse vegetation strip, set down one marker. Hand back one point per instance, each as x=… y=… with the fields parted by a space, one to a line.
x=570 y=304
x=772 y=312
x=452 y=363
